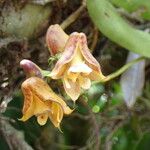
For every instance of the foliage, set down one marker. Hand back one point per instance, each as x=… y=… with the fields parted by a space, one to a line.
x=117 y=29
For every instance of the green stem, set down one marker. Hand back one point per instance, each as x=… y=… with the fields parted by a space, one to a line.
x=45 y=73
x=122 y=69
x=111 y=76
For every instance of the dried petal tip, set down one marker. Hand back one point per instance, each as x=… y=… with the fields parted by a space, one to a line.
x=30 y=68
x=56 y=39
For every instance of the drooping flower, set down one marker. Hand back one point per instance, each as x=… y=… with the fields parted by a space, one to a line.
x=76 y=67
x=39 y=99
x=42 y=102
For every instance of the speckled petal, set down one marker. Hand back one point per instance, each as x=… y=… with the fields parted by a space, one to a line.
x=42 y=119
x=28 y=107
x=28 y=96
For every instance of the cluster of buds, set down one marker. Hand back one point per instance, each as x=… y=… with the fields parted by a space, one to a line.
x=76 y=68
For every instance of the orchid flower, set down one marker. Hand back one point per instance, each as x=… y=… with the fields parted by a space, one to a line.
x=39 y=99
x=76 y=66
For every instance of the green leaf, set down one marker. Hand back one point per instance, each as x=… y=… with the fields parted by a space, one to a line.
x=109 y=22
x=144 y=143
x=124 y=138
x=141 y=6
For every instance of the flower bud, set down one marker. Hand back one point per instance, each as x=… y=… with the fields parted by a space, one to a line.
x=30 y=68
x=56 y=39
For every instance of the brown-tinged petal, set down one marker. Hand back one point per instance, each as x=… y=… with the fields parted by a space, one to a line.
x=78 y=58
x=28 y=97
x=30 y=68
x=56 y=39
x=32 y=104
x=28 y=107
x=67 y=55
x=84 y=82
x=45 y=93
x=73 y=91
x=87 y=55
x=42 y=119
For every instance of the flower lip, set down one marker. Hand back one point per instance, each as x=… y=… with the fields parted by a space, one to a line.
x=80 y=68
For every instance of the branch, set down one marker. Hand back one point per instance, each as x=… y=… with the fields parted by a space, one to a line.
x=95 y=125
x=73 y=16
x=122 y=69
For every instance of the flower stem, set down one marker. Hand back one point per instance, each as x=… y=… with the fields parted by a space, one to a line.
x=122 y=69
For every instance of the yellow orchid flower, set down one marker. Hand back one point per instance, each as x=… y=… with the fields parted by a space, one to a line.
x=41 y=101
x=76 y=67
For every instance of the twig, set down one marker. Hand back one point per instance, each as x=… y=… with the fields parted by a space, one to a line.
x=122 y=69
x=73 y=16
x=41 y=2
x=83 y=117
x=119 y=117
x=7 y=119
x=95 y=124
x=95 y=38
x=4 y=104
x=108 y=143
x=69 y=147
